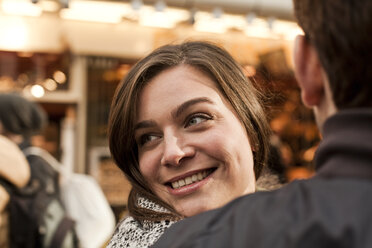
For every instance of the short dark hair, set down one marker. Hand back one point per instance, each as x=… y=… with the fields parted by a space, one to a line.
x=340 y=31
x=21 y=116
x=209 y=59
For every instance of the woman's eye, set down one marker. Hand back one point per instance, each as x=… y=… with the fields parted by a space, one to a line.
x=194 y=120
x=147 y=138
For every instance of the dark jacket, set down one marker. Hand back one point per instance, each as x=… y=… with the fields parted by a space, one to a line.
x=333 y=209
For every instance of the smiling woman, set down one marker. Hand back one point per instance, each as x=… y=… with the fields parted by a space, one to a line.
x=188 y=130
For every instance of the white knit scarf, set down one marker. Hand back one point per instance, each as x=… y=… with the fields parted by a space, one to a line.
x=131 y=233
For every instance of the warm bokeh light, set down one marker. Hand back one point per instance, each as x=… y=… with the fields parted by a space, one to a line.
x=59 y=77
x=50 y=84
x=37 y=91
x=249 y=70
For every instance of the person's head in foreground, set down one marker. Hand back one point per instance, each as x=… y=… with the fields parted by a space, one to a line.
x=188 y=130
x=333 y=58
x=333 y=67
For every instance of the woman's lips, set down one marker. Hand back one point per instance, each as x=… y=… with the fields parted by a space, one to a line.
x=190 y=183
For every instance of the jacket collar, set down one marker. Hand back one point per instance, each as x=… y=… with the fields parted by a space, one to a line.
x=346 y=148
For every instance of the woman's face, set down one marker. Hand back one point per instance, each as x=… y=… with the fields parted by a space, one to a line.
x=193 y=149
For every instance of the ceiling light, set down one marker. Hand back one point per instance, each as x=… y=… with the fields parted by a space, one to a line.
x=14 y=34
x=20 y=7
x=94 y=11
x=218 y=22
x=168 y=18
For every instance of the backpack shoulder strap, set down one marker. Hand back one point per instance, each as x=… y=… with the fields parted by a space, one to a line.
x=62 y=230
x=37 y=151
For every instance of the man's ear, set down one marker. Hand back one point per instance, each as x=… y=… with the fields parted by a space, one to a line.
x=308 y=72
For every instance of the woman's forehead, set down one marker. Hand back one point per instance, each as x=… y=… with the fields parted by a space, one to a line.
x=177 y=84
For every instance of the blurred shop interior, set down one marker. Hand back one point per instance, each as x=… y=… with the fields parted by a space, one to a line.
x=69 y=56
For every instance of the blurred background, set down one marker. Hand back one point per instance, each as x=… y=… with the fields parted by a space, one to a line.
x=69 y=56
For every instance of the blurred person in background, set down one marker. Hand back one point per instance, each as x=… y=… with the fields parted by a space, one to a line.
x=333 y=67
x=188 y=130
x=15 y=170
x=20 y=120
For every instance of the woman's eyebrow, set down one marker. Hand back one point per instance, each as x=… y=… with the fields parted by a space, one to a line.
x=144 y=124
x=181 y=108
x=175 y=113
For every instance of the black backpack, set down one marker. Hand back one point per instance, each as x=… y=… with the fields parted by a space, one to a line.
x=37 y=217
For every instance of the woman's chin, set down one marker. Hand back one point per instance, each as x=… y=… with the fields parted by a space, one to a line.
x=194 y=209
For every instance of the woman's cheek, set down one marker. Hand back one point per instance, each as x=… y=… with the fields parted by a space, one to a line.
x=147 y=164
x=216 y=144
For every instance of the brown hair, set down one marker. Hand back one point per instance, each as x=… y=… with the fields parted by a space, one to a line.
x=340 y=32
x=228 y=75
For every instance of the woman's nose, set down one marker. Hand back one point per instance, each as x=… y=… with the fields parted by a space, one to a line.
x=172 y=153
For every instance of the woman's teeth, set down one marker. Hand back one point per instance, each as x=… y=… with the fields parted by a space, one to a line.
x=189 y=180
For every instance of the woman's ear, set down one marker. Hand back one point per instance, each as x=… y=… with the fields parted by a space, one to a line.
x=308 y=72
